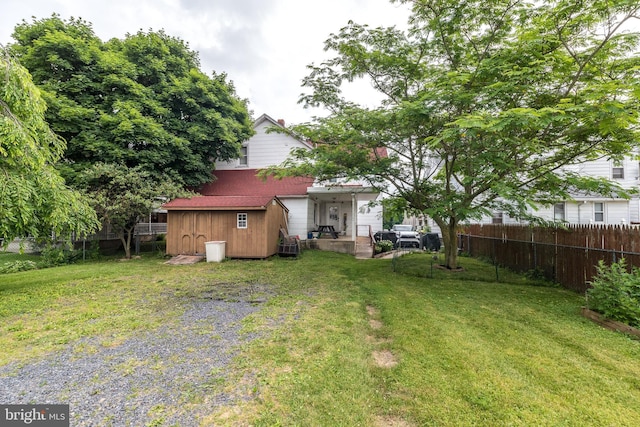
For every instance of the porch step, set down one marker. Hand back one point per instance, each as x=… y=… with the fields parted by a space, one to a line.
x=364 y=248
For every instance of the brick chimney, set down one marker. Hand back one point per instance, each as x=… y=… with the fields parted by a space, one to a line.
x=281 y=122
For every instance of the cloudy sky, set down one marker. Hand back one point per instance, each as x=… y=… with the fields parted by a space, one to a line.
x=263 y=45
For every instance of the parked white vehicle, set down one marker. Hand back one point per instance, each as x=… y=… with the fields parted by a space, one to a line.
x=408 y=236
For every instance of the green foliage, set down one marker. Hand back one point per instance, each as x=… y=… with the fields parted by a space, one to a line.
x=536 y=275
x=393 y=211
x=93 y=252
x=615 y=293
x=34 y=199
x=383 y=246
x=55 y=255
x=124 y=196
x=138 y=101
x=17 y=266
x=483 y=102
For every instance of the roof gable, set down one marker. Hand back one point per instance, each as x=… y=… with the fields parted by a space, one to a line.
x=265 y=117
x=271 y=122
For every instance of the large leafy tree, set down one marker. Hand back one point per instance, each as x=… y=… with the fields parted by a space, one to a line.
x=141 y=101
x=484 y=104
x=34 y=200
x=123 y=197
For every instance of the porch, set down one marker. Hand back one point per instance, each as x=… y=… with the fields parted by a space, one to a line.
x=343 y=211
x=361 y=248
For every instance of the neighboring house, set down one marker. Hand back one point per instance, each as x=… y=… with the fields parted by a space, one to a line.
x=250 y=225
x=583 y=209
x=308 y=203
x=590 y=208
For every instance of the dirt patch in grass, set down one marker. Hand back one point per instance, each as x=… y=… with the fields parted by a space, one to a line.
x=375 y=324
x=372 y=311
x=391 y=421
x=384 y=359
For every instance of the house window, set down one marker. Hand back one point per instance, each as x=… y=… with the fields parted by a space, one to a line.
x=617 y=172
x=598 y=212
x=244 y=156
x=558 y=212
x=498 y=218
x=242 y=220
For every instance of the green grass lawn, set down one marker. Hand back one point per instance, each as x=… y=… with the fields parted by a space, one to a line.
x=351 y=342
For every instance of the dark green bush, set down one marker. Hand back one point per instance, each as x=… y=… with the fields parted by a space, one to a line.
x=615 y=293
x=52 y=256
x=383 y=246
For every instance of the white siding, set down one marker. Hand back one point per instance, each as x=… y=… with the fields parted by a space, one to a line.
x=604 y=168
x=298 y=216
x=634 y=211
x=617 y=212
x=369 y=216
x=264 y=149
x=583 y=212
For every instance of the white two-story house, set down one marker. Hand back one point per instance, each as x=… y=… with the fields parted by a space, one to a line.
x=341 y=204
x=309 y=205
x=594 y=209
x=582 y=208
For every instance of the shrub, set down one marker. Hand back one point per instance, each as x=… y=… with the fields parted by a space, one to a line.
x=16 y=266
x=52 y=256
x=383 y=246
x=615 y=293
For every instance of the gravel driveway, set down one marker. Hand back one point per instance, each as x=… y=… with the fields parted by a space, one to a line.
x=164 y=377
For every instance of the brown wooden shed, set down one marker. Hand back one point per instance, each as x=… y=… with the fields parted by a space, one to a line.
x=250 y=225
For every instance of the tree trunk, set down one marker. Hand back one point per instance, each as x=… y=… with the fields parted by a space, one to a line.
x=125 y=237
x=450 y=240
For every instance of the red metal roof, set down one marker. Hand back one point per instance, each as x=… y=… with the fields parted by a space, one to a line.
x=244 y=182
x=220 y=202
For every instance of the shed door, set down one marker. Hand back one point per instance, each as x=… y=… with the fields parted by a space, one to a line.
x=186 y=233
x=194 y=232
x=200 y=232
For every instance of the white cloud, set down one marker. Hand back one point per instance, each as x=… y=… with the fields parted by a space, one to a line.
x=263 y=45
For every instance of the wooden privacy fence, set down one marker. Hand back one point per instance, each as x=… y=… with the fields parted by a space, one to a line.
x=568 y=256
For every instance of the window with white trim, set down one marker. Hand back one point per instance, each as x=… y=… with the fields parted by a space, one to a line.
x=242 y=220
x=598 y=212
x=558 y=212
x=244 y=156
x=498 y=218
x=617 y=172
